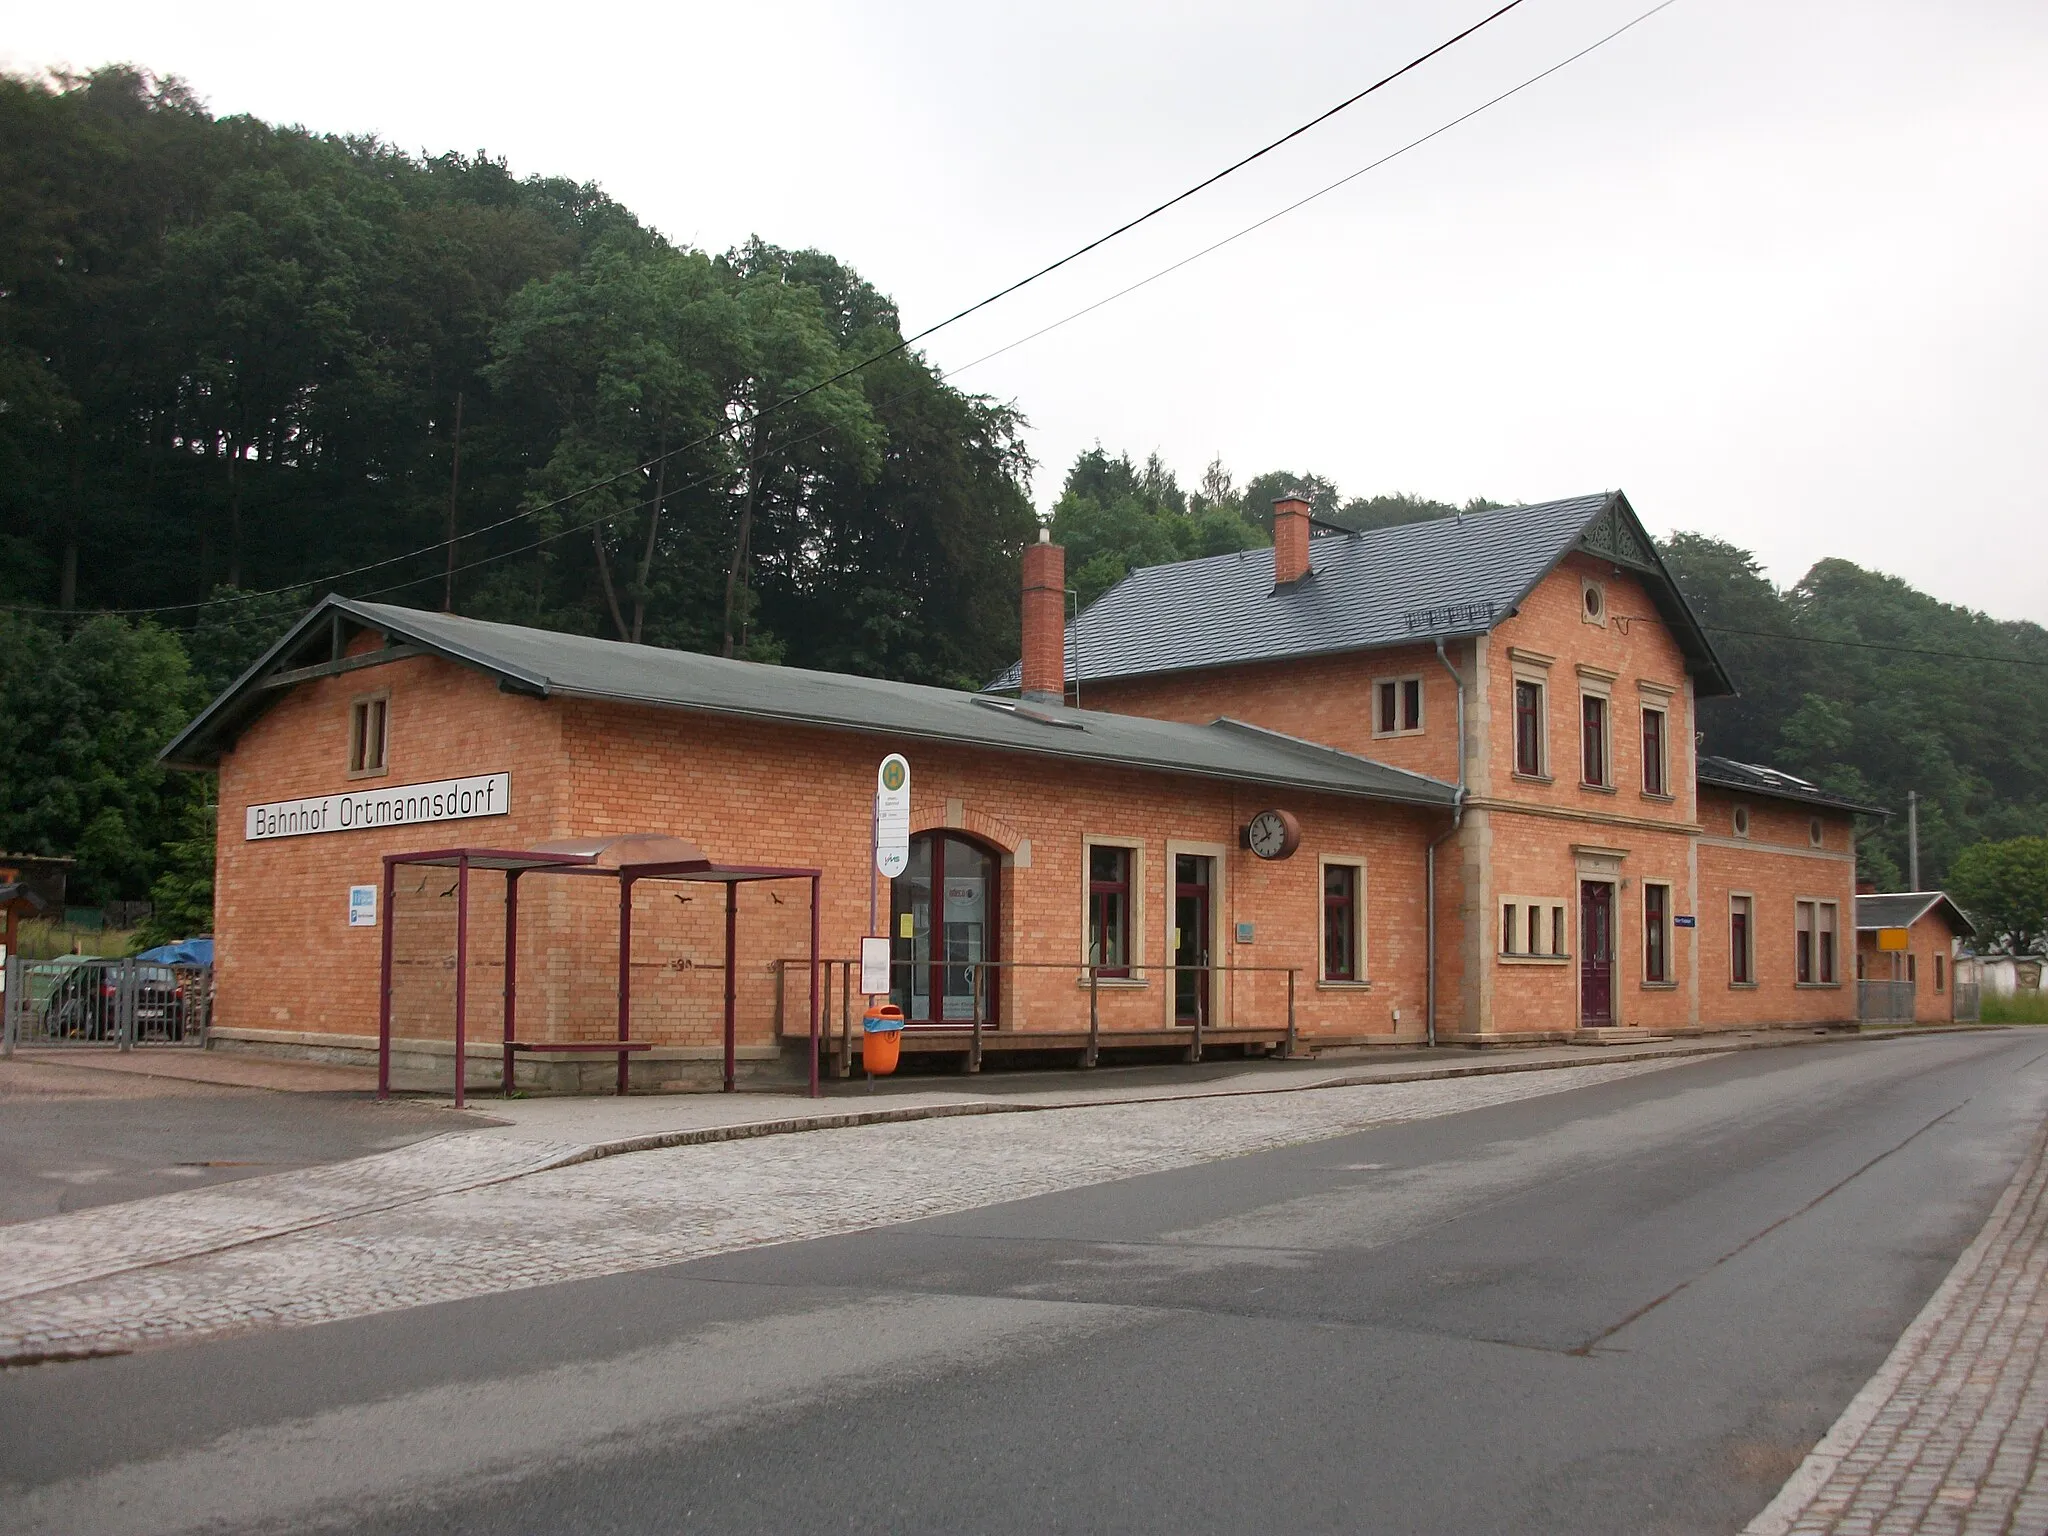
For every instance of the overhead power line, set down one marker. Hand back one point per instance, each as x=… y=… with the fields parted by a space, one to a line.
x=1324 y=191
x=1373 y=165
x=849 y=371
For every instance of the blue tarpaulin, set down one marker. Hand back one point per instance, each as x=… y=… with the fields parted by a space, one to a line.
x=183 y=952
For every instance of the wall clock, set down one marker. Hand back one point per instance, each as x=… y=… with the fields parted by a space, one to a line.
x=1272 y=834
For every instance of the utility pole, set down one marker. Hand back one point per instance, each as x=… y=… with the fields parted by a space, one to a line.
x=454 y=485
x=1912 y=840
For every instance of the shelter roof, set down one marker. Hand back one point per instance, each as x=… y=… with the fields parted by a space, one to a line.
x=1902 y=909
x=545 y=664
x=1449 y=577
x=635 y=855
x=1756 y=779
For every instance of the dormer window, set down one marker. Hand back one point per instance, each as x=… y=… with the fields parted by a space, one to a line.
x=1397 y=706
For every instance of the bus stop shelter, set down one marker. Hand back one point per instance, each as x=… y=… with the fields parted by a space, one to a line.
x=628 y=859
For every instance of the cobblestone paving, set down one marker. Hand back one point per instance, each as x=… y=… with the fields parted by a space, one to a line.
x=650 y=1208
x=1947 y=1437
x=38 y=1256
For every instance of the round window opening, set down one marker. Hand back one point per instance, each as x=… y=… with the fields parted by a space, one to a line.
x=1742 y=821
x=1813 y=832
x=1593 y=602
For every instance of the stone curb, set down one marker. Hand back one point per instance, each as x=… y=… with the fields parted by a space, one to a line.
x=1783 y=1512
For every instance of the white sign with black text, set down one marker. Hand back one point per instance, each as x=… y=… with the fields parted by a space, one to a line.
x=874 y=966
x=395 y=805
x=892 y=816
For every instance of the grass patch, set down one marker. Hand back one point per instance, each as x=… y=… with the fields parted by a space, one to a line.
x=41 y=939
x=2020 y=1008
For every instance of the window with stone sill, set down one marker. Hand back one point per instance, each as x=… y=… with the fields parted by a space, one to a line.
x=1532 y=928
x=1529 y=728
x=1397 y=706
x=1741 y=941
x=1109 y=909
x=1593 y=742
x=368 y=721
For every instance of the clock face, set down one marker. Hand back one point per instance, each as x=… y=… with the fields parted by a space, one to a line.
x=1273 y=834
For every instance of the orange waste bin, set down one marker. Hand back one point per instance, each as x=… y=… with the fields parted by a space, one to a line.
x=881 y=1039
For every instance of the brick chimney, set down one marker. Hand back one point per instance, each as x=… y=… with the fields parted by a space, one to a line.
x=1290 y=538
x=1045 y=621
x=1866 y=887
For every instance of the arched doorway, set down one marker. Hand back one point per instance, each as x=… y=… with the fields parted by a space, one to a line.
x=943 y=920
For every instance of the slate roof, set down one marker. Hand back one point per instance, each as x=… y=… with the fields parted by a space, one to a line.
x=1902 y=909
x=1449 y=577
x=1756 y=779
x=545 y=664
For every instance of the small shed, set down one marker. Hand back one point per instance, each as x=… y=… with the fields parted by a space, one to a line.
x=1906 y=947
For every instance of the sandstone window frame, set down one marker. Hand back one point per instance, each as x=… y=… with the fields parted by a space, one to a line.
x=1134 y=918
x=1742 y=939
x=1657 y=777
x=1596 y=729
x=1816 y=942
x=369 y=726
x=1659 y=972
x=1520 y=934
x=1361 y=978
x=1592 y=602
x=1391 y=700
x=1738 y=819
x=1531 y=735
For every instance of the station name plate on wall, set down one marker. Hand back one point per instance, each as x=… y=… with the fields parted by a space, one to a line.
x=393 y=805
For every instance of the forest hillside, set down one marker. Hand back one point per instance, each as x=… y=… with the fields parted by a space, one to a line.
x=242 y=365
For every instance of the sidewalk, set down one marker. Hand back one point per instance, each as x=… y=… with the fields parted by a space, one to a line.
x=1947 y=1436
x=223 y=1069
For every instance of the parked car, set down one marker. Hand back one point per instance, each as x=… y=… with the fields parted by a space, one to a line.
x=80 y=1004
x=84 y=1002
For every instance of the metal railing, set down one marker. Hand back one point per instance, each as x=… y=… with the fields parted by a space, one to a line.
x=1885 y=1002
x=112 y=1004
x=978 y=970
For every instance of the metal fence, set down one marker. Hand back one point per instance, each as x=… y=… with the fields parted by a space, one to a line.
x=1884 y=1002
x=78 y=1000
x=1969 y=1002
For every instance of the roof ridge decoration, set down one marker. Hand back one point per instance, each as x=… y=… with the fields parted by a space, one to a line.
x=1611 y=536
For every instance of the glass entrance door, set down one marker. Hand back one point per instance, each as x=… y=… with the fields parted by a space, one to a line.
x=1192 y=883
x=942 y=912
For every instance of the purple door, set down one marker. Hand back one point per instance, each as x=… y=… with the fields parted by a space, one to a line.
x=1596 y=952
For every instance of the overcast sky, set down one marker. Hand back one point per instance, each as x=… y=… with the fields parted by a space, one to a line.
x=1775 y=269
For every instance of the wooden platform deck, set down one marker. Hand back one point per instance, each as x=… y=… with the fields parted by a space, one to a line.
x=937 y=1039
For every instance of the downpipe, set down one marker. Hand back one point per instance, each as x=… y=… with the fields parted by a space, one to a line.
x=1429 y=864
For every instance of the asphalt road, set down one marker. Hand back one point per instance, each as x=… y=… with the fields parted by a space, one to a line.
x=62 y=1154
x=1628 y=1308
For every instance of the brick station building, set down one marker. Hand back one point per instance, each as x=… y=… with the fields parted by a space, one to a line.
x=1428 y=782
